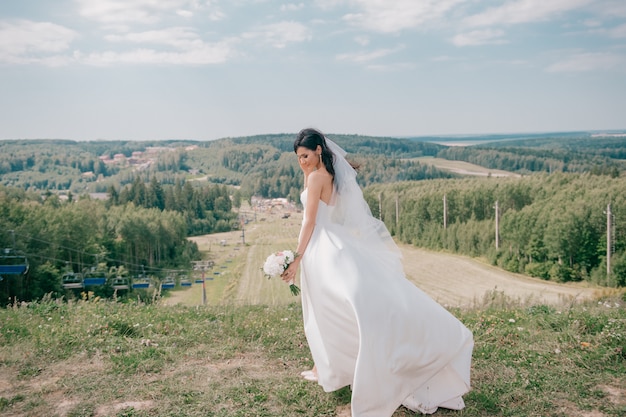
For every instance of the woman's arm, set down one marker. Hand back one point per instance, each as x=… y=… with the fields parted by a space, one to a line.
x=315 y=184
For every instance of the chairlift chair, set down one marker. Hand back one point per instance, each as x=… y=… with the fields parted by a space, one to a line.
x=70 y=281
x=168 y=284
x=184 y=280
x=141 y=282
x=13 y=263
x=120 y=283
x=94 y=277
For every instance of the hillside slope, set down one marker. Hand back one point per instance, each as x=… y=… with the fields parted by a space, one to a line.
x=452 y=280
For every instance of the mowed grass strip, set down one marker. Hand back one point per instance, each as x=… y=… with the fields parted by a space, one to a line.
x=237 y=276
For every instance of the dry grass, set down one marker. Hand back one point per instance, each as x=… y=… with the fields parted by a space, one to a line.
x=452 y=280
x=465 y=168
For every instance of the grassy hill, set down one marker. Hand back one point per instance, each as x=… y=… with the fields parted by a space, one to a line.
x=241 y=354
x=102 y=358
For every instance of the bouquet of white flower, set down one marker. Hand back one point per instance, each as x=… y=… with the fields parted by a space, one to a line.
x=275 y=265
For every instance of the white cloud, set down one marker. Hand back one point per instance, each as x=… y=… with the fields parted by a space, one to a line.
x=393 y=16
x=328 y=4
x=291 y=7
x=523 y=11
x=180 y=37
x=444 y=58
x=184 y=13
x=43 y=43
x=368 y=56
x=362 y=40
x=216 y=15
x=395 y=67
x=26 y=41
x=479 y=37
x=611 y=8
x=592 y=23
x=280 y=34
x=141 y=11
x=588 y=61
x=187 y=48
x=619 y=31
x=121 y=11
x=202 y=55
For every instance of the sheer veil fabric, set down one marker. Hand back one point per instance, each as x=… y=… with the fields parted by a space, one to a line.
x=351 y=210
x=367 y=326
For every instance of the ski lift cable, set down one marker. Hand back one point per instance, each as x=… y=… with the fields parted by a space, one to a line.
x=78 y=251
x=120 y=262
x=83 y=253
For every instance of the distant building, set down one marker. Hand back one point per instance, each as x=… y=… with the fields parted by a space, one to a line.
x=99 y=196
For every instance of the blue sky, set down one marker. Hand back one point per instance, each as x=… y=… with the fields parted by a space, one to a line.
x=208 y=69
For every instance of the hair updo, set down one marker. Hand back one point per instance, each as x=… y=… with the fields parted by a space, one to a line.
x=310 y=138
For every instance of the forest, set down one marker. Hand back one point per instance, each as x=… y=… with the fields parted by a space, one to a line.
x=551 y=226
x=126 y=208
x=571 y=154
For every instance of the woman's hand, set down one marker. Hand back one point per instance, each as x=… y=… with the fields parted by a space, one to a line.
x=289 y=276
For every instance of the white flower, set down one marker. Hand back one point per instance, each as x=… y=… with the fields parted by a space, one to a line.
x=277 y=263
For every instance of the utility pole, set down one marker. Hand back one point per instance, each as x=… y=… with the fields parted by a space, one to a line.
x=609 y=241
x=203 y=266
x=445 y=212
x=397 y=210
x=497 y=226
x=243 y=231
x=380 y=206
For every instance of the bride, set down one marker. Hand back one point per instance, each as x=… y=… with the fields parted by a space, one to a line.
x=368 y=326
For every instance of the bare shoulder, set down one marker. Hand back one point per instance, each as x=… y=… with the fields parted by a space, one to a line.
x=322 y=182
x=321 y=177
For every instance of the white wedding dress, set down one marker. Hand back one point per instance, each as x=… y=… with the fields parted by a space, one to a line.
x=370 y=328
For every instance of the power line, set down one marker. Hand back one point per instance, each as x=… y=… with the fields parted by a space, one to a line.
x=84 y=253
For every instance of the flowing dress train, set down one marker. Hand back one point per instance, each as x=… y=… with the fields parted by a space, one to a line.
x=370 y=328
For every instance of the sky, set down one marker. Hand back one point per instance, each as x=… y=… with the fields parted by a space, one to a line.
x=210 y=69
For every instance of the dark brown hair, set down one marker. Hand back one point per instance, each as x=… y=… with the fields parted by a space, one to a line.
x=310 y=138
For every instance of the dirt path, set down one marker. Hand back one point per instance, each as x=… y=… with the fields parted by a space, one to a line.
x=452 y=280
x=461 y=281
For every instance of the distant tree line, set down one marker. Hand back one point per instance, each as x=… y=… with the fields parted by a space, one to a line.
x=264 y=164
x=551 y=226
x=261 y=165
x=599 y=156
x=270 y=171
x=205 y=208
